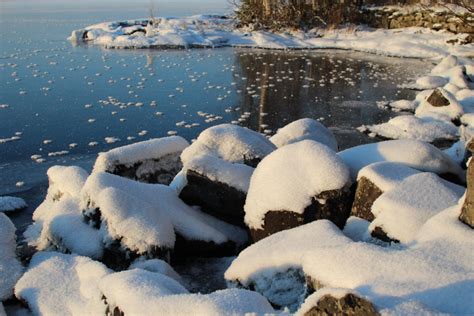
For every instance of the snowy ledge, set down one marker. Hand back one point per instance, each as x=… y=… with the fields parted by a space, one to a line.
x=212 y=31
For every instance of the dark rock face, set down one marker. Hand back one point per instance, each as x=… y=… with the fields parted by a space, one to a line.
x=112 y=310
x=349 y=304
x=336 y=208
x=467 y=213
x=366 y=194
x=160 y=171
x=217 y=199
x=437 y=99
x=380 y=234
x=118 y=258
x=185 y=248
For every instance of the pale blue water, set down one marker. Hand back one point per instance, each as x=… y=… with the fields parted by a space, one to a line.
x=46 y=83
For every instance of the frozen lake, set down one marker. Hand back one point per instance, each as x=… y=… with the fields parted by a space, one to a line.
x=62 y=104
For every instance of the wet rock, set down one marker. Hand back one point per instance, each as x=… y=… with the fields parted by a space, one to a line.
x=333 y=205
x=216 y=198
x=437 y=99
x=185 y=248
x=467 y=213
x=119 y=258
x=350 y=304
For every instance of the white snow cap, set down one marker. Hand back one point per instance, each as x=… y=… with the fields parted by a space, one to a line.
x=430 y=82
x=402 y=211
x=130 y=154
x=412 y=153
x=445 y=64
x=386 y=175
x=66 y=180
x=60 y=284
x=302 y=129
x=11 y=203
x=289 y=178
x=220 y=153
x=157 y=266
x=187 y=221
x=10 y=267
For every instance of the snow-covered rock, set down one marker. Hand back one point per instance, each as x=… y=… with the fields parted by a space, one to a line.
x=151 y=161
x=302 y=129
x=60 y=284
x=440 y=102
x=297 y=184
x=272 y=266
x=467 y=211
x=10 y=267
x=372 y=181
x=401 y=211
x=412 y=153
x=431 y=82
x=157 y=266
x=11 y=204
x=218 y=167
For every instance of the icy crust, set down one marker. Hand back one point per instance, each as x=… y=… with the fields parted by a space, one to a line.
x=11 y=203
x=386 y=175
x=282 y=251
x=139 y=152
x=302 y=129
x=434 y=273
x=60 y=284
x=403 y=210
x=148 y=203
x=412 y=153
x=135 y=291
x=222 y=153
x=290 y=177
x=215 y=31
x=10 y=267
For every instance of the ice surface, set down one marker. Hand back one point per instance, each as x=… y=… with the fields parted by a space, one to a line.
x=10 y=267
x=302 y=129
x=289 y=178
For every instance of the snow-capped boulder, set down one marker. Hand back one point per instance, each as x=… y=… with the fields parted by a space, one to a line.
x=302 y=129
x=11 y=204
x=402 y=211
x=218 y=167
x=157 y=266
x=297 y=184
x=149 y=220
x=430 y=82
x=372 y=181
x=151 y=161
x=272 y=266
x=61 y=284
x=10 y=267
x=412 y=153
x=329 y=301
x=467 y=212
x=440 y=102
x=445 y=64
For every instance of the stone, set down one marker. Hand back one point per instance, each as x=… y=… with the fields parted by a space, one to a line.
x=366 y=194
x=336 y=208
x=349 y=304
x=437 y=99
x=467 y=212
x=185 y=248
x=380 y=234
x=217 y=199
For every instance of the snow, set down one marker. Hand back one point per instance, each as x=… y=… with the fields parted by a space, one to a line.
x=157 y=266
x=430 y=82
x=403 y=105
x=386 y=175
x=445 y=64
x=453 y=111
x=11 y=204
x=412 y=153
x=60 y=284
x=10 y=267
x=187 y=221
x=403 y=210
x=214 y=31
x=302 y=129
x=139 y=152
x=290 y=177
x=427 y=129
x=357 y=229
x=220 y=153
x=433 y=273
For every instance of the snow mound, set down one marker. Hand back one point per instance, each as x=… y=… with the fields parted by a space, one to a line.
x=403 y=105
x=412 y=153
x=226 y=153
x=157 y=266
x=386 y=175
x=60 y=284
x=401 y=211
x=430 y=82
x=445 y=64
x=302 y=129
x=426 y=129
x=435 y=271
x=289 y=178
x=10 y=267
x=11 y=203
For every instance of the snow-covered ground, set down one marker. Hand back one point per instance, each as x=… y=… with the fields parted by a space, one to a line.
x=218 y=31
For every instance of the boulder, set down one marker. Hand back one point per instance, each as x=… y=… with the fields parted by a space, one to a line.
x=338 y=304
x=467 y=212
x=297 y=184
x=437 y=99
